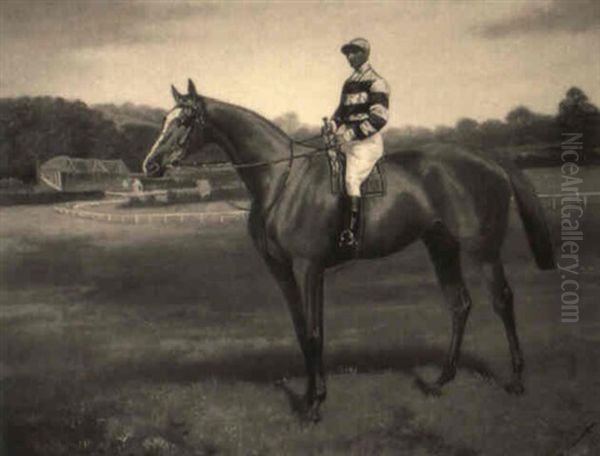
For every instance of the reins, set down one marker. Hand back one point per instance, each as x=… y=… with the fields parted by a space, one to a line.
x=288 y=160
x=283 y=182
x=314 y=152
x=301 y=142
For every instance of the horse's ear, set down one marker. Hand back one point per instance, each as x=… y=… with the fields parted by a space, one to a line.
x=176 y=95
x=192 y=88
x=192 y=92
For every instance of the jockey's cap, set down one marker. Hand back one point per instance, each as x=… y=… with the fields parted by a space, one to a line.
x=357 y=43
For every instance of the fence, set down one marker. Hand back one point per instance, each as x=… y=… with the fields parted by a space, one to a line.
x=83 y=210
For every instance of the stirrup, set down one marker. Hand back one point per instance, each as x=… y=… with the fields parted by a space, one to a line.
x=347 y=238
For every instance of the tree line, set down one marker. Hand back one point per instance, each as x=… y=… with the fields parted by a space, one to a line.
x=35 y=129
x=526 y=135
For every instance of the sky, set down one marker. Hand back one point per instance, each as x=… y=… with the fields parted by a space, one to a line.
x=444 y=60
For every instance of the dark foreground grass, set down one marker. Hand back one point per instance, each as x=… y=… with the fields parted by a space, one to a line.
x=169 y=340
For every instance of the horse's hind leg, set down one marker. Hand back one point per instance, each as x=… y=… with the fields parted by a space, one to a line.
x=502 y=300
x=444 y=251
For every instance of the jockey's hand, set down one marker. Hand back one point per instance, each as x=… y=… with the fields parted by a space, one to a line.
x=329 y=127
x=328 y=131
x=344 y=134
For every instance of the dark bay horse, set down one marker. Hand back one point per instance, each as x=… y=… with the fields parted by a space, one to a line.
x=451 y=199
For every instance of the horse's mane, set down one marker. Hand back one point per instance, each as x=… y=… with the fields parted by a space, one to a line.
x=263 y=120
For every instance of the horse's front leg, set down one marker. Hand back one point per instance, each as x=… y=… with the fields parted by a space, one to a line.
x=309 y=276
x=302 y=287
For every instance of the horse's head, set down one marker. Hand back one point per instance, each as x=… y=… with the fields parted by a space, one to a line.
x=181 y=124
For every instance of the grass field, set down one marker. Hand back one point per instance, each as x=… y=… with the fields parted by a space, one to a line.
x=167 y=340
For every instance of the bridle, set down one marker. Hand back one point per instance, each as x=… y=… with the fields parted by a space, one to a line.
x=197 y=118
x=194 y=118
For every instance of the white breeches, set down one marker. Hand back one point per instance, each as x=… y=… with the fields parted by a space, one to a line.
x=361 y=156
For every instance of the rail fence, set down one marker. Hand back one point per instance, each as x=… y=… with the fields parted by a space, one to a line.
x=85 y=210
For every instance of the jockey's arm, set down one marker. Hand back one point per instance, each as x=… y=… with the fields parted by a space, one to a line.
x=379 y=99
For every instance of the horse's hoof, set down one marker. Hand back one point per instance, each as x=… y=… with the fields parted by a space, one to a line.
x=281 y=383
x=429 y=389
x=313 y=415
x=515 y=387
x=432 y=390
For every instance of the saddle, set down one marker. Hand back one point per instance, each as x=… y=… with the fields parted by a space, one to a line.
x=373 y=186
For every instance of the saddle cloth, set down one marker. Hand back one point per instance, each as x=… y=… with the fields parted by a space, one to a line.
x=373 y=186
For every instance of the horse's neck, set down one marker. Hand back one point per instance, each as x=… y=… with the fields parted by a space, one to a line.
x=249 y=139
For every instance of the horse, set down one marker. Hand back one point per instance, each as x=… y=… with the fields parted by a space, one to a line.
x=454 y=200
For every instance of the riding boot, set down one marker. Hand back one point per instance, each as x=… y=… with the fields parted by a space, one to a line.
x=350 y=234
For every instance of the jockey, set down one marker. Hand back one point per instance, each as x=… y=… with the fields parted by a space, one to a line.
x=361 y=114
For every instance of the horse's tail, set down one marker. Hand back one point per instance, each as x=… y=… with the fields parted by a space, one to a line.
x=532 y=216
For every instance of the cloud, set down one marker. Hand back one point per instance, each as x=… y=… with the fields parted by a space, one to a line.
x=570 y=16
x=69 y=24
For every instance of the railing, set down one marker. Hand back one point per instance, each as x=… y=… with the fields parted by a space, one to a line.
x=85 y=211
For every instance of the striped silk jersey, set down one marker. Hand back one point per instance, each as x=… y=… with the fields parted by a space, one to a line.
x=364 y=103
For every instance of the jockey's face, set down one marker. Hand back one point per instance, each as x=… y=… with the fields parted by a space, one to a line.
x=356 y=57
